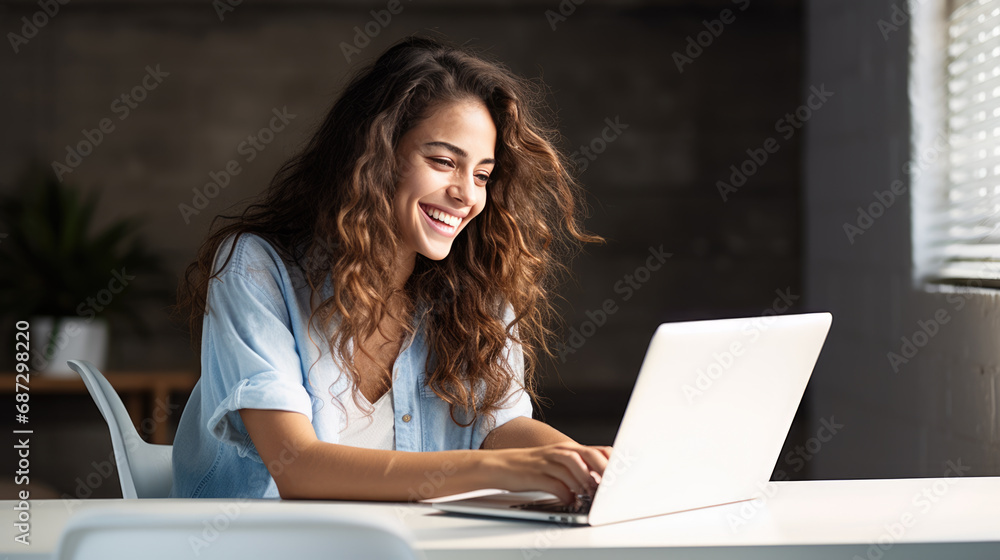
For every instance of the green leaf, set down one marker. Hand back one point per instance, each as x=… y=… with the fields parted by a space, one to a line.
x=51 y=262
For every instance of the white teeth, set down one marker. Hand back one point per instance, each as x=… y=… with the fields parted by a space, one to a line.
x=446 y=218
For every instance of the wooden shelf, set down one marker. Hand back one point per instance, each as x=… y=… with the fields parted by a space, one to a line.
x=146 y=394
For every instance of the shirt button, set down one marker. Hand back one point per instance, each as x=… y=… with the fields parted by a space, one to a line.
x=406 y=417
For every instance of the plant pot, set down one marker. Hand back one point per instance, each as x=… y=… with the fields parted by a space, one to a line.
x=76 y=338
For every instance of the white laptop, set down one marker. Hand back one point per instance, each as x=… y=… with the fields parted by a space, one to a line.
x=705 y=424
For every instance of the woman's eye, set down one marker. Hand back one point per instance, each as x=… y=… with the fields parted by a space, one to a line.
x=483 y=177
x=441 y=161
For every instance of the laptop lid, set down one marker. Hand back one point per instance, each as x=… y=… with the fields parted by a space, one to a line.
x=709 y=413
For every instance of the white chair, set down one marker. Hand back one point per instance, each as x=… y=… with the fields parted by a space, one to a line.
x=145 y=469
x=221 y=533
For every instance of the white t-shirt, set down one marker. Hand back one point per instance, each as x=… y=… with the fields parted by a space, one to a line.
x=374 y=432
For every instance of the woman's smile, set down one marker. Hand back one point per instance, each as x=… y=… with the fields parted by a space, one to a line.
x=444 y=223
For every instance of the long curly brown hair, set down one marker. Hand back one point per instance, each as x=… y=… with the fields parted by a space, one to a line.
x=329 y=211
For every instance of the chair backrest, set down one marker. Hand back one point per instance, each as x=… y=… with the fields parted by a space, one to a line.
x=144 y=469
x=230 y=532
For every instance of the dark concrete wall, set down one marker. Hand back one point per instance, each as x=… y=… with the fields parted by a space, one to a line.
x=654 y=185
x=911 y=419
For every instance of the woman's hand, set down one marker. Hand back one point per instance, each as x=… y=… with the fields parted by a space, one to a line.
x=563 y=469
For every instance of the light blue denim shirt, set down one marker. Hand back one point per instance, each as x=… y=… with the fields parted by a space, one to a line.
x=256 y=353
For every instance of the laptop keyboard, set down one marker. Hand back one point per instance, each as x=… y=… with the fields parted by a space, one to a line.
x=582 y=505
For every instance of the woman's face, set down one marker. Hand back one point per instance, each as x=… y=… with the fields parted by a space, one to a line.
x=444 y=163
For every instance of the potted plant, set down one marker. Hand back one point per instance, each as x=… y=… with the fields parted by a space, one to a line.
x=65 y=280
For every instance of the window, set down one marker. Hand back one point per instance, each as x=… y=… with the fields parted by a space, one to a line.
x=955 y=168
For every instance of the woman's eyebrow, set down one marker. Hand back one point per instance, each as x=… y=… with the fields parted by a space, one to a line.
x=457 y=151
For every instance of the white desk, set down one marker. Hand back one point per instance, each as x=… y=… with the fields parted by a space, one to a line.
x=912 y=519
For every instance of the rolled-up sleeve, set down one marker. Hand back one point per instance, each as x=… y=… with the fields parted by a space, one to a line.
x=517 y=402
x=249 y=357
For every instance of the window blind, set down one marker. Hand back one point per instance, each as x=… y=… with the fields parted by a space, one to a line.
x=967 y=236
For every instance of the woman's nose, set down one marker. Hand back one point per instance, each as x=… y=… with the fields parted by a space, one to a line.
x=465 y=190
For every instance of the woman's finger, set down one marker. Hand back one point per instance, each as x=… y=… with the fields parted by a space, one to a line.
x=558 y=480
x=595 y=459
x=576 y=467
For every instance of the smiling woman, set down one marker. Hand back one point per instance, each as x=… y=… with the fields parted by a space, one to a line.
x=397 y=270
